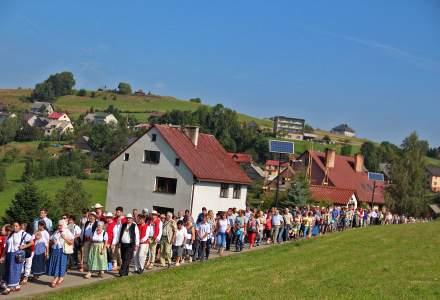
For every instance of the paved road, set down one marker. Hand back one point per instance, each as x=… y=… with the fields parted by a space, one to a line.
x=75 y=279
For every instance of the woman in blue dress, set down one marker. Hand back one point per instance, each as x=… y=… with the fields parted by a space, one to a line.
x=58 y=258
x=14 y=255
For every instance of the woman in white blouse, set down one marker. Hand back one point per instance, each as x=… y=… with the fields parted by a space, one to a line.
x=97 y=260
x=14 y=256
x=60 y=241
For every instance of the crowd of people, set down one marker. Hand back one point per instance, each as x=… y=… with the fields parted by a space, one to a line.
x=101 y=242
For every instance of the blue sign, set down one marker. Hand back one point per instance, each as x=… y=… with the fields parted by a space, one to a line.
x=281 y=147
x=376 y=176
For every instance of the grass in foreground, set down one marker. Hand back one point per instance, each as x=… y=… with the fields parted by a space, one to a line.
x=398 y=261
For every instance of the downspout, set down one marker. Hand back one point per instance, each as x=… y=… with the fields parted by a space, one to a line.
x=192 y=193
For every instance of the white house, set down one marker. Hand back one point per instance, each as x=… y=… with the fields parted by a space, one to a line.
x=344 y=130
x=58 y=116
x=101 y=118
x=171 y=168
x=60 y=127
x=42 y=108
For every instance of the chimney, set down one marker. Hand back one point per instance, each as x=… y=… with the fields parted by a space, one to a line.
x=359 y=163
x=330 y=156
x=192 y=132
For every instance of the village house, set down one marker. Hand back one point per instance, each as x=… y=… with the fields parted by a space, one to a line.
x=42 y=108
x=434 y=178
x=171 y=168
x=271 y=168
x=334 y=195
x=344 y=130
x=58 y=116
x=101 y=118
x=289 y=128
x=58 y=127
x=343 y=172
x=245 y=161
x=141 y=127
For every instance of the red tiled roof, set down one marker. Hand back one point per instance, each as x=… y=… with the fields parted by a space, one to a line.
x=343 y=175
x=241 y=158
x=208 y=161
x=330 y=193
x=274 y=163
x=55 y=115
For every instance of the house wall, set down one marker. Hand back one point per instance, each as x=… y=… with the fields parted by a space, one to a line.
x=131 y=183
x=207 y=194
x=435 y=184
x=64 y=118
x=111 y=119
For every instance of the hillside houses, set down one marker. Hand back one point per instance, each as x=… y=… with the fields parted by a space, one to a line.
x=245 y=161
x=172 y=168
x=42 y=108
x=344 y=130
x=101 y=118
x=434 y=178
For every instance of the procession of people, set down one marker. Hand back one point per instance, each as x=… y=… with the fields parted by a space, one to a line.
x=114 y=241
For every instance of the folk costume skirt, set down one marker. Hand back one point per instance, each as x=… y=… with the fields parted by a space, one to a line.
x=57 y=263
x=96 y=260
x=39 y=264
x=13 y=270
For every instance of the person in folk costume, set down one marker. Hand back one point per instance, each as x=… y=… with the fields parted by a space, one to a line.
x=14 y=256
x=155 y=236
x=86 y=237
x=60 y=241
x=144 y=240
x=128 y=241
x=97 y=260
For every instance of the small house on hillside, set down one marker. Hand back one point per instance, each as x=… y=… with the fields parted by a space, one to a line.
x=58 y=127
x=246 y=162
x=172 y=168
x=42 y=108
x=101 y=118
x=58 y=116
x=344 y=130
x=434 y=178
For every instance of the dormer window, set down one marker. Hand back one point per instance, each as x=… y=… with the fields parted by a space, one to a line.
x=153 y=137
x=126 y=156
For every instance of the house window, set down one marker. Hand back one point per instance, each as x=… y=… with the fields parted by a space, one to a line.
x=153 y=137
x=177 y=162
x=151 y=157
x=126 y=156
x=224 y=190
x=165 y=185
x=237 y=191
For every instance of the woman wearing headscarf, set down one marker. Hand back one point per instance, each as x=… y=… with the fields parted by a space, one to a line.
x=97 y=260
x=15 y=256
x=61 y=241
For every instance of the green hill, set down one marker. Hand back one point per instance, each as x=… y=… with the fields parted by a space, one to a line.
x=382 y=262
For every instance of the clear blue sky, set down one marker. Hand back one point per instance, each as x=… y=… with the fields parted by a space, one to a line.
x=372 y=64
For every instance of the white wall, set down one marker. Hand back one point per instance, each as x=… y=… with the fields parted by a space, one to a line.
x=207 y=194
x=131 y=183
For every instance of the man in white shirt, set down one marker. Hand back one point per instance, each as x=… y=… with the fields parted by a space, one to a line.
x=128 y=240
x=277 y=221
x=203 y=232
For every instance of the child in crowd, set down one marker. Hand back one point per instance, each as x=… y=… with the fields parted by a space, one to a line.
x=179 y=241
x=41 y=252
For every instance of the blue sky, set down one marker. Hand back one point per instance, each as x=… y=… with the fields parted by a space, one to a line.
x=372 y=64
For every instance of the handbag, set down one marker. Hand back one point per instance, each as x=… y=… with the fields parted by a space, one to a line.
x=20 y=255
x=67 y=249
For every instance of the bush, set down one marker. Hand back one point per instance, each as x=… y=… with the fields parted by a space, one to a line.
x=124 y=88
x=93 y=94
x=195 y=100
x=82 y=93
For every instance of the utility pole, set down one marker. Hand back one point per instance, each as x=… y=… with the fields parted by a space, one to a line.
x=278 y=180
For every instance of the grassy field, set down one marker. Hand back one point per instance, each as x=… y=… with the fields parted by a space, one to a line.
x=387 y=262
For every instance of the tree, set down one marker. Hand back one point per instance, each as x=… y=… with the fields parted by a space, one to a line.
x=57 y=85
x=195 y=100
x=100 y=136
x=26 y=204
x=346 y=150
x=82 y=93
x=298 y=193
x=408 y=193
x=124 y=88
x=8 y=130
x=371 y=156
x=72 y=199
x=3 y=181
x=326 y=139
x=308 y=128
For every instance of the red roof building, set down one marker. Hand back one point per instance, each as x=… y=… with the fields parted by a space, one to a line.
x=335 y=195
x=55 y=115
x=241 y=158
x=345 y=172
